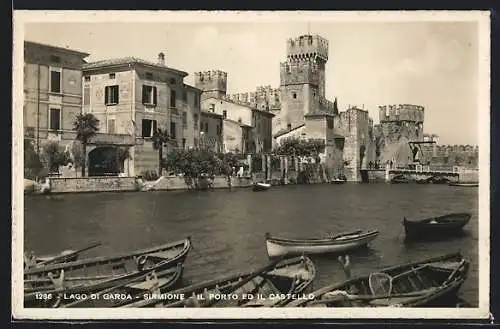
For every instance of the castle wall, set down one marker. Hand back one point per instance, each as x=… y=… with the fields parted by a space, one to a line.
x=212 y=83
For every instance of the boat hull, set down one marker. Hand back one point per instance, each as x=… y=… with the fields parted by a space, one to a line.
x=259 y=187
x=88 y=276
x=288 y=277
x=440 y=227
x=282 y=247
x=435 y=282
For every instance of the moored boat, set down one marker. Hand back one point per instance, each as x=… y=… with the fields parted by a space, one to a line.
x=465 y=184
x=30 y=260
x=432 y=282
x=129 y=292
x=87 y=276
x=278 y=247
x=337 y=181
x=257 y=187
x=272 y=285
x=436 y=226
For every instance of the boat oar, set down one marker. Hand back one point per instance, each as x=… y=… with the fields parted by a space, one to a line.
x=62 y=256
x=345 y=233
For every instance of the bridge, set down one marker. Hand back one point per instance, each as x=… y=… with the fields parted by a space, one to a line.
x=421 y=171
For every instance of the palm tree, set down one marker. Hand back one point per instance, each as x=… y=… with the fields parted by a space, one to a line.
x=159 y=139
x=86 y=127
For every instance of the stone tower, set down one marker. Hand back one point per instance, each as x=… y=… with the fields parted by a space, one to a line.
x=302 y=78
x=212 y=83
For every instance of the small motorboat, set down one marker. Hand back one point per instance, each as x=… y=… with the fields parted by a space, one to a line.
x=464 y=184
x=436 y=226
x=259 y=186
x=272 y=285
x=432 y=282
x=439 y=180
x=277 y=247
x=337 y=181
x=87 y=276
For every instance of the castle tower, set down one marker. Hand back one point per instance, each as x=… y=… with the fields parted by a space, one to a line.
x=302 y=78
x=212 y=83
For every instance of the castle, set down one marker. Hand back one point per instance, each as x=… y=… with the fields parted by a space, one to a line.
x=353 y=142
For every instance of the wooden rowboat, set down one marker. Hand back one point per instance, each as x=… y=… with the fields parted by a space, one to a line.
x=436 y=226
x=257 y=187
x=273 y=285
x=277 y=247
x=87 y=276
x=465 y=184
x=432 y=282
x=30 y=260
x=129 y=292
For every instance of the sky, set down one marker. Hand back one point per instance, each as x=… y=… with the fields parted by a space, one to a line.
x=433 y=64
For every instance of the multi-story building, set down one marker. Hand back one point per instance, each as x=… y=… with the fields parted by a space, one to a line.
x=134 y=97
x=211 y=125
x=52 y=92
x=246 y=128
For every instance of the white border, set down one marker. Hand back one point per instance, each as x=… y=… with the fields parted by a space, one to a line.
x=22 y=17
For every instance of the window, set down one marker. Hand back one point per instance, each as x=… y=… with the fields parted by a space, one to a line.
x=195 y=142
x=211 y=107
x=148 y=127
x=224 y=114
x=55 y=59
x=111 y=95
x=289 y=126
x=172 y=98
x=195 y=119
x=54 y=119
x=172 y=81
x=329 y=122
x=184 y=118
x=55 y=80
x=183 y=143
x=112 y=75
x=149 y=75
x=218 y=130
x=111 y=126
x=172 y=130
x=184 y=96
x=294 y=95
x=86 y=95
x=206 y=127
x=149 y=95
x=87 y=78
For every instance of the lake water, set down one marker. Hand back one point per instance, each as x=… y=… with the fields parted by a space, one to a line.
x=228 y=227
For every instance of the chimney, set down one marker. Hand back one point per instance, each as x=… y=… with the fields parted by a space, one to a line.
x=161 y=59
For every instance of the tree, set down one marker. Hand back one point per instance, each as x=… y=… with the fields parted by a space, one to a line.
x=55 y=156
x=301 y=147
x=32 y=163
x=159 y=139
x=86 y=127
x=76 y=154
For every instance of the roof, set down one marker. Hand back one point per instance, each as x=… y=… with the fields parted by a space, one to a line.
x=192 y=87
x=286 y=130
x=238 y=123
x=212 y=114
x=61 y=49
x=129 y=60
x=240 y=104
x=319 y=113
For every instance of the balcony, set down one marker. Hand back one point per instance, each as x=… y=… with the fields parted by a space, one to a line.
x=112 y=139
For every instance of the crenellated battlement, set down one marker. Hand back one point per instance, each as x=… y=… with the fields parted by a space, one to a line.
x=265 y=98
x=213 y=80
x=326 y=105
x=307 y=47
x=305 y=72
x=401 y=112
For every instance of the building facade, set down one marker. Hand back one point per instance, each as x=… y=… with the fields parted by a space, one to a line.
x=211 y=131
x=52 y=92
x=133 y=97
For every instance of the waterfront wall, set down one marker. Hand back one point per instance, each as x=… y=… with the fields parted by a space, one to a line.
x=91 y=184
